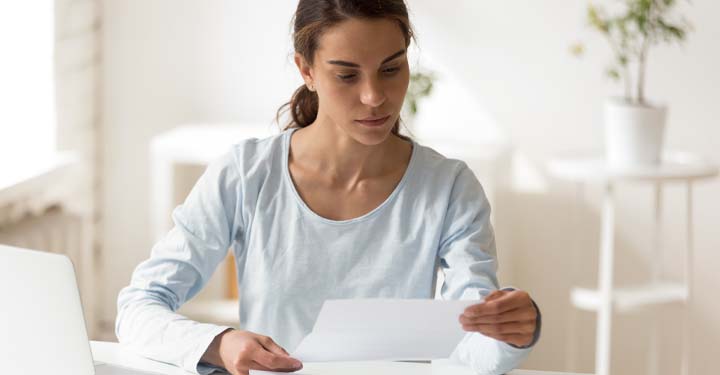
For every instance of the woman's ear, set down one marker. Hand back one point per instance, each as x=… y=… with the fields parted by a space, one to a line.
x=305 y=71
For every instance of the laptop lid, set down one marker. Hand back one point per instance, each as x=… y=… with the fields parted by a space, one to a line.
x=42 y=328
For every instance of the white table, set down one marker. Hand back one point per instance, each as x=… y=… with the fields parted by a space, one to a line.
x=675 y=167
x=114 y=354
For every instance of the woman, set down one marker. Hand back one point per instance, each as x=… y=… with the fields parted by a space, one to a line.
x=339 y=205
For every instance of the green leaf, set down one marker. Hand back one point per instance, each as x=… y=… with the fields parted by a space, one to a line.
x=577 y=49
x=622 y=60
x=596 y=20
x=613 y=74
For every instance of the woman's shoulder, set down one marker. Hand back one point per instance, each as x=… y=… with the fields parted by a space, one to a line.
x=445 y=175
x=250 y=156
x=449 y=180
x=253 y=151
x=434 y=163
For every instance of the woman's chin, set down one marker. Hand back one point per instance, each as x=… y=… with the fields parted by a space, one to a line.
x=371 y=136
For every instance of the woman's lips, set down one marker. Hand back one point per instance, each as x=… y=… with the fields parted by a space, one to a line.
x=378 y=122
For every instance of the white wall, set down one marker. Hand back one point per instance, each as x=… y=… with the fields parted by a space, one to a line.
x=171 y=62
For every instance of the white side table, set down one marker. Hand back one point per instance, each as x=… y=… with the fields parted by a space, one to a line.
x=195 y=144
x=675 y=167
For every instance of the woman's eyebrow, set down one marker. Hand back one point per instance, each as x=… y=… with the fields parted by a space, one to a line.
x=354 y=65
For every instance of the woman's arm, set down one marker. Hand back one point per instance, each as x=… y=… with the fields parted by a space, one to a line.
x=179 y=266
x=468 y=260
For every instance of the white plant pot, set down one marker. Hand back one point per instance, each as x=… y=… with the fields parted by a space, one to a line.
x=633 y=133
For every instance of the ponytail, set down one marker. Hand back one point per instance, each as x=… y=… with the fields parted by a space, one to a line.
x=303 y=107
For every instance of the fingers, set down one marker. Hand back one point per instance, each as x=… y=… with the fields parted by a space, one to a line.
x=272 y=357
x=517 y=315
x=520 y=328
x=275 y=362
x=498 y=303
x=256 y=366
x=493 y=295
x=255 y=355
x=516 y=333
x=271 y=346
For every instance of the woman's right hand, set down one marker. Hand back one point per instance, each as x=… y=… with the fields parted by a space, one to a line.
x=240 y=351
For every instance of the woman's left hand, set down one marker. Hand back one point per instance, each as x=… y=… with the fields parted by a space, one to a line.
x=505 y=315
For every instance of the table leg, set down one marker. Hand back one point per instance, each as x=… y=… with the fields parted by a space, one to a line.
x=605 y=279
x=687 y=334
x=571 y=346
x=656 y=252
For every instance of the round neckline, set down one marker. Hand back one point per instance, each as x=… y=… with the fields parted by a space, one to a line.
x=288 y=179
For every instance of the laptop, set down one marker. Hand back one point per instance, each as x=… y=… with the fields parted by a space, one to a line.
x=42 y=327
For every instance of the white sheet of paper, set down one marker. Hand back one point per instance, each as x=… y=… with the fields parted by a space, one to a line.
x=384 y=329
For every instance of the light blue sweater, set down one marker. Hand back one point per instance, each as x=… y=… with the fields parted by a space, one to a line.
x=290 y=260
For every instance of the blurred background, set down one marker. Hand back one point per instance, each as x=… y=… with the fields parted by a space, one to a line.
x=109 y=111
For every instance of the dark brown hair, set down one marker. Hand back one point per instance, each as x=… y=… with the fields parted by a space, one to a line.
x=312 y=18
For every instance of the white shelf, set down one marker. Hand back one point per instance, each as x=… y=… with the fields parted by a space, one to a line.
x=675 y=165
x=202 y=143
x=630 y=298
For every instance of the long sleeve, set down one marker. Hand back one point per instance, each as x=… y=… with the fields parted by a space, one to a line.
x=468 y=260
x=179 y=266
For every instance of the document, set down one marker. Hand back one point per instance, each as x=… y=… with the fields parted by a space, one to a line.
x=384 y=329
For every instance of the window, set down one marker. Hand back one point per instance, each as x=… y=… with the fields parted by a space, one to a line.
x=27 y=89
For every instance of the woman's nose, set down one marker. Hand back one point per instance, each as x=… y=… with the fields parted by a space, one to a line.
x=372 y=93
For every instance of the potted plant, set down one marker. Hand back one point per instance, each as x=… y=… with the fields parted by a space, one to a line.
x=421 y=86
x=634 y=126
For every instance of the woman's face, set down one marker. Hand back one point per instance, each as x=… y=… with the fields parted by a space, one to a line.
x=360 y=73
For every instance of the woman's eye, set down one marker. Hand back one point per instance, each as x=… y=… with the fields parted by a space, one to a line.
x=352 y=76
x=346 y=77
x=391 y=70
